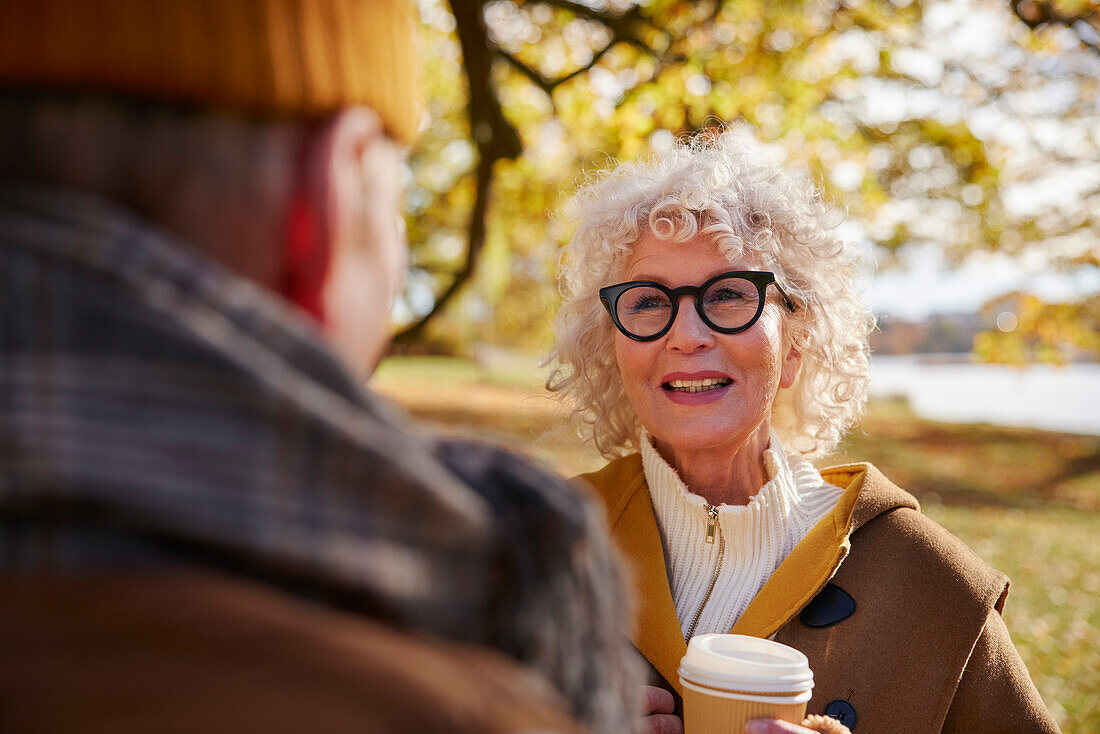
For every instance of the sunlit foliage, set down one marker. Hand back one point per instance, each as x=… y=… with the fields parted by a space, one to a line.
x=926 y=125
x=1031 y=330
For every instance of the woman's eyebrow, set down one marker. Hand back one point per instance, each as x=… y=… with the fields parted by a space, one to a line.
x=701 y=279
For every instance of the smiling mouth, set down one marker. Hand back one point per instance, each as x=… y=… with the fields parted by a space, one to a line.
x=710 y=383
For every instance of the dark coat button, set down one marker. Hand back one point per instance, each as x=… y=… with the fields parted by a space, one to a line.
x=843 y=712
x=831 y=605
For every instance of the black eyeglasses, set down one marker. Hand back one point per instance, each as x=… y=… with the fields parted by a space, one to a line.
x=728 y=303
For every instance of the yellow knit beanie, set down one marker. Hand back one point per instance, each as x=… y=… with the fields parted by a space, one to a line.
x=294 y=58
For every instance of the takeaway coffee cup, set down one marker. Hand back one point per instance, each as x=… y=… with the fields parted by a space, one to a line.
x=729 y=679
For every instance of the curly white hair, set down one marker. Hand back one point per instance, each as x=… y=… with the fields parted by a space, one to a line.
x=726 y=187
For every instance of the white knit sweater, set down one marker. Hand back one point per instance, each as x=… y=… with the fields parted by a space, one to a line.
x=751 y=540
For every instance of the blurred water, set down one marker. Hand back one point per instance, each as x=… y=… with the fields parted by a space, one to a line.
x=1052 y=398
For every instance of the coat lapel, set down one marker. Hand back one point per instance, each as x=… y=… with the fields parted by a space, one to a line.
x=807 y=569
x=814 y=561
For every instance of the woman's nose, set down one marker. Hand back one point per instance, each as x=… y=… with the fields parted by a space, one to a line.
x=688 y=332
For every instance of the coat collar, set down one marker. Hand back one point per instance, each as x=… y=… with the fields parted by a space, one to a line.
x=656 y=631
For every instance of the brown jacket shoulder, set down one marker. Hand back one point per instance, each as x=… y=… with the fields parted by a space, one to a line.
x=170 y=651
x=925 y=649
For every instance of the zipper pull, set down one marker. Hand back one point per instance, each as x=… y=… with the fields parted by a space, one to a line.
x=712 y=523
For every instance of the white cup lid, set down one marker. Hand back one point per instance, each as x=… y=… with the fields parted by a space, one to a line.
x=742 y=663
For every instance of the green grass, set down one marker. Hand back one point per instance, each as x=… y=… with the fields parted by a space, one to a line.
x=1027 y=501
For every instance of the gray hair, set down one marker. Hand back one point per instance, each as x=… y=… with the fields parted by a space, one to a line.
x=725 y=188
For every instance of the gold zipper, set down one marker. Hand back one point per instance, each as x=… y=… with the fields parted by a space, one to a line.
x=712 y=524
x=712 y=530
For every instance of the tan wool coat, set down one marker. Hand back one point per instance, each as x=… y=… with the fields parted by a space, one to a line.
x=899 y=619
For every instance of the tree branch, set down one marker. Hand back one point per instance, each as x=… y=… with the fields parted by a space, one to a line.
x=583 y=11
x=477 y=229
x=623 y=29
x=623 y=26
x=548 y=85
x=494 y=136
x=542 y=82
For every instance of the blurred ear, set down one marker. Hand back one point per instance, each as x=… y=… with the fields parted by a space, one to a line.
x=352 y=174
x=331 y=172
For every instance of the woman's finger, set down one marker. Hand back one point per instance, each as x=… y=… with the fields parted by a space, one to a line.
x=775 y=726
x=657 y=700
x=662 y=724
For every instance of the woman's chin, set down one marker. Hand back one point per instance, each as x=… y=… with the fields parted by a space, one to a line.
x=728 y=433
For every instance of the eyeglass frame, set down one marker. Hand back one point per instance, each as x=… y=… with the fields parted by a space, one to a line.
x=610 y=294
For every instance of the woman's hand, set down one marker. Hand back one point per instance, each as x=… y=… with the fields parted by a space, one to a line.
x=658 y=717
x=775 y=726
x=820 y=724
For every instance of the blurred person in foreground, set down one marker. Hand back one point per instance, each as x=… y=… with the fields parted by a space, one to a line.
x=206 y=524
x=712 y=342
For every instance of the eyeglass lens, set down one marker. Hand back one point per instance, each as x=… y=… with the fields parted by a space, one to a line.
x=729 y=303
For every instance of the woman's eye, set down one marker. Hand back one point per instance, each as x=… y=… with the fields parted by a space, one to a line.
x=727 y=294
x=648 y=302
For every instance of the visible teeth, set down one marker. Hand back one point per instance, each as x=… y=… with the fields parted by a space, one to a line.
x=709 y=383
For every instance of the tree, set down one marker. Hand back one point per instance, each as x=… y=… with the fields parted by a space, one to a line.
x=527 y=96
x=1027 y=329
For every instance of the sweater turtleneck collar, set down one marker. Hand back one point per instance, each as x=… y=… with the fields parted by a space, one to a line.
x=751 y=539
x=780 y=487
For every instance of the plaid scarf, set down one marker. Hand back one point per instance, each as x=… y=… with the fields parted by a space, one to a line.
x=155 y=408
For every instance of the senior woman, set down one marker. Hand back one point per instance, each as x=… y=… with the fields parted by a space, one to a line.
x=711 y=342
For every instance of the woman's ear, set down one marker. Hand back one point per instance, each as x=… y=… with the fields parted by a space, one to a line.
x=792 y=362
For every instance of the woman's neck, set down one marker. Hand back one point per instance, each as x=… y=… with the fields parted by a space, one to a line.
x=721 y=475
